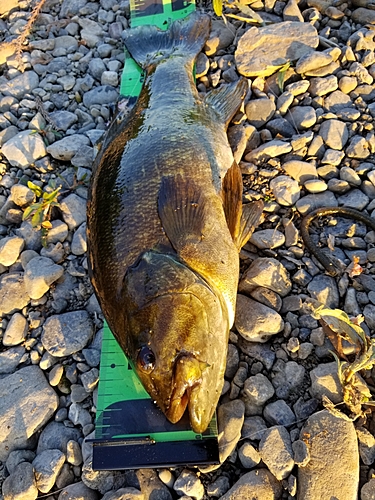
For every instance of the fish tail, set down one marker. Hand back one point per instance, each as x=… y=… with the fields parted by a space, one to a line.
x=148 y=44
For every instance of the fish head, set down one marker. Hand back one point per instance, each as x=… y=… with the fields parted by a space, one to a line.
x=177 y=340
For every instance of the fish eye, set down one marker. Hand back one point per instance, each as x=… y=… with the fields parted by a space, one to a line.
x=146 y=359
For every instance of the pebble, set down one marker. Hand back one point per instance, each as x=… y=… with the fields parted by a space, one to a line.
x=21 y=484
x=73 y=210
x=275 y=449
x=16 y=330
x=65 y=148
x=78 y=491
x=24 y=149
x=258 y=484
x=188 y=483
x=268 y=273
x=47 y=466
x=40 y=273
x=279 y=413
x=67 y=333
x=256 y=392
x=267 y=238
x=256 y=322
x=325 y=382
x=285 y=190
x=27 y=389
x=329 y=437
x=287 y=41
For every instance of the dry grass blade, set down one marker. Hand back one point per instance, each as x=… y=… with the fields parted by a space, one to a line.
x=16 y=46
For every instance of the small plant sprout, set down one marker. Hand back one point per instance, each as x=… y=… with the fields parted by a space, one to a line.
x=39 y=212
x=338 y=327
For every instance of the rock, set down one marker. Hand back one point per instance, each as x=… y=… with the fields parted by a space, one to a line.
x=279 y=413
x=218 y=487
x=275 y=449
x=103 y=94
x=287 y=41
x=152 y=486
x=358 y=148
x=256 y=392
x=20 y=85
x=221 y=37
x=40 y=273
x=312 y=60
x=301 y=171
x=13 y=294
x=248 y=455
x=67 y=333
x=10 y=248
x=16 y=330
x=23 y=149
x=25 y=391
x=363 y=16
x=323 y=288
x=79 y=243
x=332 y=444
x=259 y=111
x=312 y=201
x=56 y=436
x=57 y=233
x=128 y=493
x=21 y=484
x=230 y=417
x=325 y=382
x=21 y=195
x=10 y=359
x=267 y=238
x=366 y=445
x=268 y=273
x=258 y=485
x=64 y=149
x=288 y=377
x=78 y=491
x=256 y=322
x=285 y=190
x=334 y=133
x=47 y=466
x=103 y=481
x=63 y=119
x=73 y=208
x=368 y=490
x=188 y=483
x=268 y=150
x=18 y=456
x=302 y=117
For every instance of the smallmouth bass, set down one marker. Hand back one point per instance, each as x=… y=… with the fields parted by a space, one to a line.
x=166 y=222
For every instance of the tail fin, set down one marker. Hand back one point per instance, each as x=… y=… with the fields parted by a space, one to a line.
x=148 y=44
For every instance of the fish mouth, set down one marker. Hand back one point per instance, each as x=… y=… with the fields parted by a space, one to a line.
x=187 y=376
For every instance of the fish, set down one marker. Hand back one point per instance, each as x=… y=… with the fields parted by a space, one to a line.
x=165 y=223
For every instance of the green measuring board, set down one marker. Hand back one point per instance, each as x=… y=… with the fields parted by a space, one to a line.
x=130 y=430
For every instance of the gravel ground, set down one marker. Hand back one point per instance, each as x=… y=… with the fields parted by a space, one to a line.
x=304 y=139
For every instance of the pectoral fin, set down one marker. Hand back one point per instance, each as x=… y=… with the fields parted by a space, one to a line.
x=227 y=99
x=182 y=211
x=241 y=219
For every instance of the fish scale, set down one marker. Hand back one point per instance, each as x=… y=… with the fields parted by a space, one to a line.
x=118 y=383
